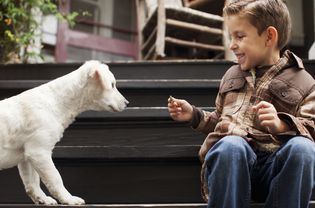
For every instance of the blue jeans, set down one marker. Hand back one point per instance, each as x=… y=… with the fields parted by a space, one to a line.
x=283 y=179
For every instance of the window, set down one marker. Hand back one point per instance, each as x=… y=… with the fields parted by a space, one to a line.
x=108 y=33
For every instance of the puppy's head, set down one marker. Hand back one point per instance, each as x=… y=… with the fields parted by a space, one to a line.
x=102 y=87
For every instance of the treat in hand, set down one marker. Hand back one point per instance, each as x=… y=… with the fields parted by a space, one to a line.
x=170 y=99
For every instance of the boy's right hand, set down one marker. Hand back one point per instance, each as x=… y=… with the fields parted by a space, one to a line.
x=180 y=110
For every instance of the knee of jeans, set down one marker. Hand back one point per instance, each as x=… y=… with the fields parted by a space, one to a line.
x=301 y=147
x=227 y=148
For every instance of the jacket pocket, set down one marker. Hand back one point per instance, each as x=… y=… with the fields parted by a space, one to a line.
x=231 y=91
x=285 y=97
x=232 y=84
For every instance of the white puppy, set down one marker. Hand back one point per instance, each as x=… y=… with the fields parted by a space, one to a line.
x=33 y=122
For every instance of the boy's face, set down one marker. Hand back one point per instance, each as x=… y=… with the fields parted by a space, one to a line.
x=248 y=46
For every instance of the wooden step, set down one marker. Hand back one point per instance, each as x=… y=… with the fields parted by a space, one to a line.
x=125 y=70
x=145 y=132
x=111 y=182
x=173 y=69
x=144 y=84
x=118 y=181
x=139 y=92
x=195 y=205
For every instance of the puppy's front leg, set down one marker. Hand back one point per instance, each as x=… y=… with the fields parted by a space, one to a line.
x=43 y=164
x=31 y=183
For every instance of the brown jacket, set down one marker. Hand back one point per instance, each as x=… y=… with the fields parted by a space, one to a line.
x=286 y=85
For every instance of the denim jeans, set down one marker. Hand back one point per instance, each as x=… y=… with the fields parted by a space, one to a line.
x=283 y=179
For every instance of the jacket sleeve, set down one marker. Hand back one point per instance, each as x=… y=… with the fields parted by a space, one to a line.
x=304 y=121
x=205 y=121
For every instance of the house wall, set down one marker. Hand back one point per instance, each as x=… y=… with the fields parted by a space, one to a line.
x=121 y=14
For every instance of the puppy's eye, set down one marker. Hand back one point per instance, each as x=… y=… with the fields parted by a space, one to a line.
x=113 y=85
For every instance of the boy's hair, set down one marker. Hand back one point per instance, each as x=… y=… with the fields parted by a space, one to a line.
x=262 y=14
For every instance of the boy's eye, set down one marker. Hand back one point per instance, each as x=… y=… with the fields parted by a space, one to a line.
x=240 y=36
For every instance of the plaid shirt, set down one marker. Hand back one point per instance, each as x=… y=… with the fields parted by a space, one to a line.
x=286 y=85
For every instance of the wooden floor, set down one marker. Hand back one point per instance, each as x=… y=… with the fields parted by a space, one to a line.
x=133 y=159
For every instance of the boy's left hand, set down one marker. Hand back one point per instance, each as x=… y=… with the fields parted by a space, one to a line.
x=268 y=117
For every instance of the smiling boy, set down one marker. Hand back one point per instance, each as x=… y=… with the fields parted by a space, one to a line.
x=260 y=139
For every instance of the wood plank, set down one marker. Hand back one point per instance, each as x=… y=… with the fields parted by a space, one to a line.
x=196 y=3
x=150 y=97
x=191 y=26
x=162 y=69
x=194 y=44
x=112 y=182
x=176 y=69
x=90 y=41
x=132 y=83
x=151 y=52
x=149 y=41
x=194 y=16
x=161 y=28
x=126 y=152
x=174 y=205
x=132 y=115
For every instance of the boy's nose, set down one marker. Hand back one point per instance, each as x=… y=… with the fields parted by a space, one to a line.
x=232 y=45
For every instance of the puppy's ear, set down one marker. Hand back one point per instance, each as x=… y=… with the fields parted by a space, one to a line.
x=95 y=75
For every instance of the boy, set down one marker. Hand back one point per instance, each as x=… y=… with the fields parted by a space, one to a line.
x=260 y=137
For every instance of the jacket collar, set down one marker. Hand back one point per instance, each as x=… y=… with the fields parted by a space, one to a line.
x=294 y=59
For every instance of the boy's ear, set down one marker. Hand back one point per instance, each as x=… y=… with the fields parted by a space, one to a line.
x=272 y=36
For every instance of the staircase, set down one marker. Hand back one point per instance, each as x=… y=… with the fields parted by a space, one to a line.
x=137 y=158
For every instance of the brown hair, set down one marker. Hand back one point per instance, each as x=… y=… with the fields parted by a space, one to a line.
x=262 y=14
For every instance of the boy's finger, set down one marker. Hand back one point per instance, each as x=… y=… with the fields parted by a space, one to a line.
x=261 y=104
x=263 y=111
x=172 y=105
x=266 y=117
x=176 y=104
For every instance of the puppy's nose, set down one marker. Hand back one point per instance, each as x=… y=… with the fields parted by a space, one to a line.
x=126 y=102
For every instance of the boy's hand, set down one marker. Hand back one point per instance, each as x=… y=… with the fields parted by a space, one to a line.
x=180 y=110
x=268 y=117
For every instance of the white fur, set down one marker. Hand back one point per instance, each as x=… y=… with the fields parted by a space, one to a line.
x=33 y=122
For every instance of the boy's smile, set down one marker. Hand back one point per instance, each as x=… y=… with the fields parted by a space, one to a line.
x=250 y=48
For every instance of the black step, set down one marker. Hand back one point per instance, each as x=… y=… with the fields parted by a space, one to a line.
x=139 y=93
x=123 y=181
x=174 y=205
x=190 y=69
x=143 y=83
x=154 y=70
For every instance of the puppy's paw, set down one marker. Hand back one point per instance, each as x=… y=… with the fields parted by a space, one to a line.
x=47 y=200
x=74 y=200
